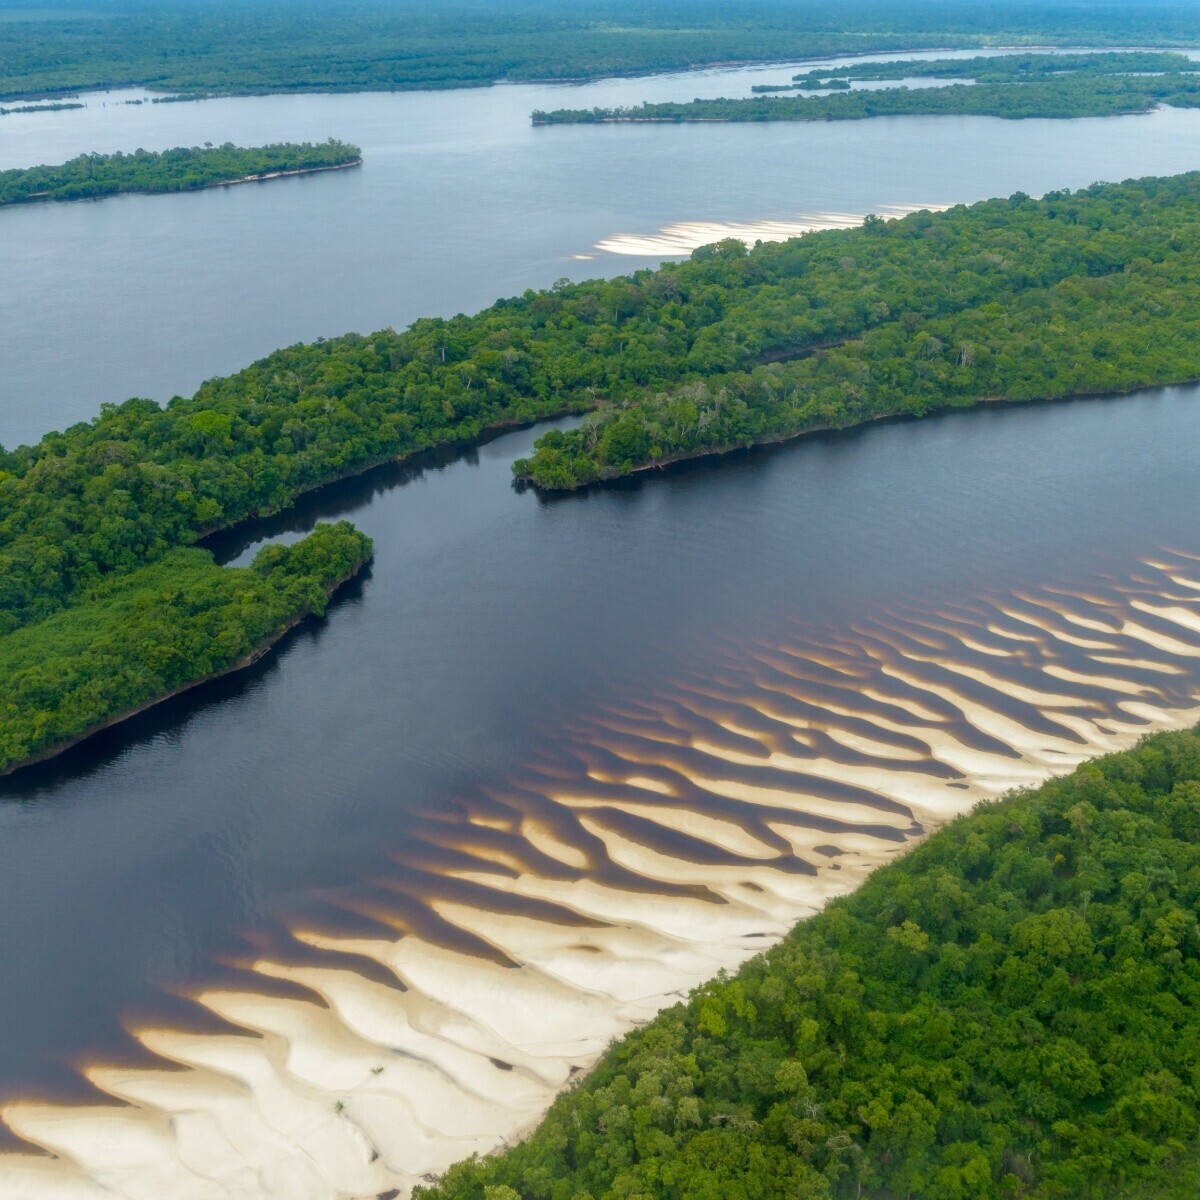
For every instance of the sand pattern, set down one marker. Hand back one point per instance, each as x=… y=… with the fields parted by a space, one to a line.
x=682 y=237
x=659 y=837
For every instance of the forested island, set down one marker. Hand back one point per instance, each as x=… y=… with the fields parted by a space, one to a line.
x=1076 y=294
x=1010 y=1010
x=1089 y=291
x=1022 y=86
x=224 y=47
x=180 y=170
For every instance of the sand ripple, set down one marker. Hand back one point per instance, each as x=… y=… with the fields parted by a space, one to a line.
x=659 y=837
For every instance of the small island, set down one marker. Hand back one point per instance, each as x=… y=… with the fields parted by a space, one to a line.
x=1017 y=87
x=182 y=169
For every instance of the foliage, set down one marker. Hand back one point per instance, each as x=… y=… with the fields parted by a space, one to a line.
x=139 y=636
x=1096 y=316
x=178 y=170
x=1021 y=86
x=1010 y=1010
x=1086 y=291
x=220 y=46
x=35 y=108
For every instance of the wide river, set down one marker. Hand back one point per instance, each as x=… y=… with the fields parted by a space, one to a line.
x=319 y=929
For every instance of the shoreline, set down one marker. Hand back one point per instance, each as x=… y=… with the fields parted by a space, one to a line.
x=256 y=655
x=48 y=198
x=1129 y=112
x=895 y=415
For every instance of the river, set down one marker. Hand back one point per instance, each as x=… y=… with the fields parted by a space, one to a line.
x=318 y=929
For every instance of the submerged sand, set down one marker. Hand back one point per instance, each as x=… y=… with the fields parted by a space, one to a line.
x=659 y=838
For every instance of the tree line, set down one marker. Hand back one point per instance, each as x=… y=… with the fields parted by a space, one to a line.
x=179 y=170
x=223 y=47
x=1048 y=86
x=1010 y=1011
x=998 y=68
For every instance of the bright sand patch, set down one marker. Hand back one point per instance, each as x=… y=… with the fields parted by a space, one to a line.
x=682 y=237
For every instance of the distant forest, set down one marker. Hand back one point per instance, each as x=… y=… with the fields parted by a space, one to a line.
x=256 y=46
x=179 y=170
x=1017 y=86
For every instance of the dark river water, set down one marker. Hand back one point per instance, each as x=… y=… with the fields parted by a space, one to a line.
x=549 y=762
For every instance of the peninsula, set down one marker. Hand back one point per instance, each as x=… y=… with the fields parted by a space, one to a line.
x=134 y=640
x=1093 y=291
x=183 y=169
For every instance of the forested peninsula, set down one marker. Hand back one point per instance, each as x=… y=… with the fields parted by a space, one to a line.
x=1010 y=1010
x=1059 y=86
x=1090 y=291
x=134 y=639
x=222 y=47
x=180 y=170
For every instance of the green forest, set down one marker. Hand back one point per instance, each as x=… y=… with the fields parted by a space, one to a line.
x=257 y=46
x=1010 y=1010
x=178 y=170
x=134 y=638
x=1093 y=290
x=1058 y=86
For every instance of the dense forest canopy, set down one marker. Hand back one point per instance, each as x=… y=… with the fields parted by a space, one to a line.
x=137 y=637
x=1011 y=1011
x=115 y=493
x=222 y=46
x=179 y=170
x=1116 y=324
x=1017 y=86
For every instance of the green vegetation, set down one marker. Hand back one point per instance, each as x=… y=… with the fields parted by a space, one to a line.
x=1023 y=86
x=1011 y=1010
x=135 y=638
x=1078 y=293
x=177 y=170
x=258 y=46
x=1005 y=68
x=1094 y=290
x=116 y=493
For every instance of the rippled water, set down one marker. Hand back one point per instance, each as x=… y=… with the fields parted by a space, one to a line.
x=554 y=763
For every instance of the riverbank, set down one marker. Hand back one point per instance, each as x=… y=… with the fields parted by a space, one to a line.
x=918 y=992
x=633 y=857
